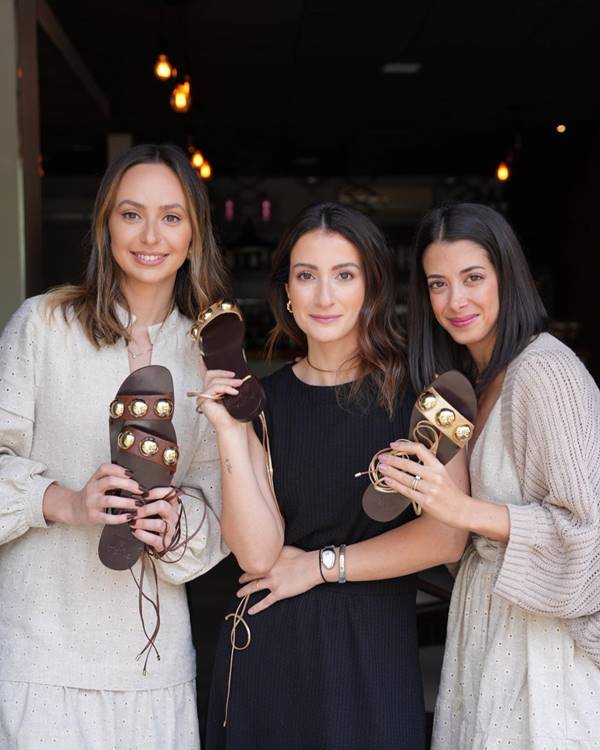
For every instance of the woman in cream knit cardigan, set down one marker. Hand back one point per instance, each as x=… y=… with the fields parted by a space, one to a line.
x=522 y=662
x=69 y=627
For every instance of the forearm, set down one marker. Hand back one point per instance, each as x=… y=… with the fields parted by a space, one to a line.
x=487 y=519
x=58 y=504
x=250 y=526
x=414 y=546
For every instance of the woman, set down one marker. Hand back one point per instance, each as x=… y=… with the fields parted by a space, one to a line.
x=330 y=665
x=70 y=629
x=522 y=662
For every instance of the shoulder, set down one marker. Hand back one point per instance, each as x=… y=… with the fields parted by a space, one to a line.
x=547 y=365
x=278 y=380
x=29 y=316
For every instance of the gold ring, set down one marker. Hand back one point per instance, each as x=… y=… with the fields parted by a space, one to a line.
x=258 y=585
x=415 y=482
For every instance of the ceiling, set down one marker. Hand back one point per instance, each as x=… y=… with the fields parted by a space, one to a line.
x=286 y=87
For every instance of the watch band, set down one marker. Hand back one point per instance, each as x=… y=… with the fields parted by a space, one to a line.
x=342 y=567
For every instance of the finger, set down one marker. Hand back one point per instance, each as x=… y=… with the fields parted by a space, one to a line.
x=106 y=470
x=111 y=519
x=150 y=538
x=107 y=483
x=402 y=480
x=415 y=449
x=405 y=465
x=115 y=501
x=161 y=508
x=247 y=577
x=159 y=493
x=263 y=604
x=259 y=584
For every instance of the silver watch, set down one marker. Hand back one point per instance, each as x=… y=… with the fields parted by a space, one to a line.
x=328 y=557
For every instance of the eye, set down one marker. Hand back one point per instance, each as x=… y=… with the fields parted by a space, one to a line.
x=304 y=276
x=474 y=277
x=436 y=285
x=345 y=275
x=130 y=215
x=172 y=219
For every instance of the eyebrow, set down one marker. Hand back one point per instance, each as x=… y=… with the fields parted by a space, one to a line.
x=166 y=207
x=464 y=270
x=333 y=268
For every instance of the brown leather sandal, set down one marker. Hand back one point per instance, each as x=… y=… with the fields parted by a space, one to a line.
x=143 y=440
x=219 y=332
x=442 y=420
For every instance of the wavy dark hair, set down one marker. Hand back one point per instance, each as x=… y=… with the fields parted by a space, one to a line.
x=522 y=314
x=201 y=279
x=381 y=356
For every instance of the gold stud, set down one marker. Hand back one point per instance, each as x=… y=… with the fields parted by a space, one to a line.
x=226 y=306
x=116 y=409
x=125 y=440
x=148 y=447
x=207 y=314
x=463 y=432
x=170 y=456
x=138 y=408
x=445 y=417
x=427 y=400
x=163 y=408
x=195 y=331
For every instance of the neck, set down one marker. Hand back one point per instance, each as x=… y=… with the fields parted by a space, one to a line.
x=150 y=303
x=330 y=363
x=481 y=353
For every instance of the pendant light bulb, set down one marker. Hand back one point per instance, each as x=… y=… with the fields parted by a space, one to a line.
x=197 y=159
x=206 y=171
x=503 y=172
x=181 y=96
x=163 y=68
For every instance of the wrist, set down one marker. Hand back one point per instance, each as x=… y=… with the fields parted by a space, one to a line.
x=58 y=504
x=467 y=520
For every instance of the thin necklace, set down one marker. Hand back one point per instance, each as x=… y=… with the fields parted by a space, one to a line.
x=139 y=354
x=320 y=369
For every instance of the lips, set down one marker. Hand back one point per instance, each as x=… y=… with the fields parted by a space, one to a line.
x=325 y=318
x=149 y=259
x=464 y=321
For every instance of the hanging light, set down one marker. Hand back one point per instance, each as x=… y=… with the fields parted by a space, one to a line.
x=163 y=68
x=503 y=171
x=265 y=211
x=181 y=96
x=206 y=171
x=196 y=159
x=229 y=209
x=561 y=128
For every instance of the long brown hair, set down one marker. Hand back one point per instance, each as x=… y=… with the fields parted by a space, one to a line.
x=381 y=355
x=200 y=280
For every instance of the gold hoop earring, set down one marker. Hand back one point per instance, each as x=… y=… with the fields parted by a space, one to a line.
x=189 y=255
x=288 y=307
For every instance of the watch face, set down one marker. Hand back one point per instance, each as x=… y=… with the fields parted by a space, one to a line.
x=328 y=558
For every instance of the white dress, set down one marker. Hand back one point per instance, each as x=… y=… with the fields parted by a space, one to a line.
x=510 y=679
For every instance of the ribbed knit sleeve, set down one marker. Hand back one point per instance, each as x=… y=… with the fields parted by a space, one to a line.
x=551 y=419
x=22 y=481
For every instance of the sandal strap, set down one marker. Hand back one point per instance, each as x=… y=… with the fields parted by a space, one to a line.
x=444 y=417
x=142 y=406
x=222 y=307
x=148 y=446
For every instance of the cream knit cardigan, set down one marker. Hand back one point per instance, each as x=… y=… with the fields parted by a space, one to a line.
x=65 y=619
x=551 y=422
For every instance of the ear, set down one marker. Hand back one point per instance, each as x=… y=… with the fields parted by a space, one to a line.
x=287 y=289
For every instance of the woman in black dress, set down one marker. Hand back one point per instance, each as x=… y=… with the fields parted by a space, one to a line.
x=331 y=664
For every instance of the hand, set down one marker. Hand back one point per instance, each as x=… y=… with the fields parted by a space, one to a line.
x=435 y=491
x=89 y=506
x=294 y=572
x=156 y=532
x=217 y=383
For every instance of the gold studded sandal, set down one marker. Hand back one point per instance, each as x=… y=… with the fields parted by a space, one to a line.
x=442 y=420
x=143 y=440
x=219 y=333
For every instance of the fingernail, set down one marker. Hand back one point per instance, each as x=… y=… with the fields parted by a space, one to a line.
x=132 y=516
x=131 y=524
x=128 y=473
x=140 y=503
x=145 y=494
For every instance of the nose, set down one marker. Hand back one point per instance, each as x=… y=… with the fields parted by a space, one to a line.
x=324 y=294
x=458 y=299
x=150 y=232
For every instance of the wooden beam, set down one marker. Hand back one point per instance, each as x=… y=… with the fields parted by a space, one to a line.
x=56 y=33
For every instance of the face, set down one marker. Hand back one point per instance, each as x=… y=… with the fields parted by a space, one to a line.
x=463 y=291
x=149 y=226
x=326 y=287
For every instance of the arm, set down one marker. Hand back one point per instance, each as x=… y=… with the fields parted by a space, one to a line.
x=414 y=546
x=251 y=524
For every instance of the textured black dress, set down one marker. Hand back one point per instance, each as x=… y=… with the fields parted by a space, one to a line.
x=336 y=667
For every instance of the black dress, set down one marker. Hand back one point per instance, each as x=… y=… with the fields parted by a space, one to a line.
x=336 y=667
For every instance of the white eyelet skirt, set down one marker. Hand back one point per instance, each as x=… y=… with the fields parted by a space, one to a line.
x=49 y=716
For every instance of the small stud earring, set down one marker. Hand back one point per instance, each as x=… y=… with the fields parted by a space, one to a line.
x=288 y=307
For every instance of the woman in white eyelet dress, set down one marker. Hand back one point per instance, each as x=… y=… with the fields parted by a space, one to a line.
x=521 y=667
